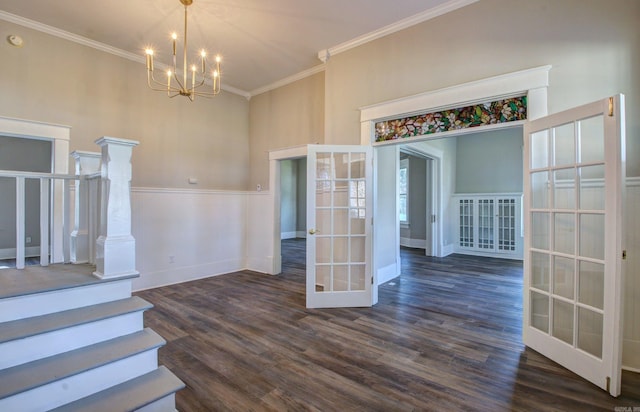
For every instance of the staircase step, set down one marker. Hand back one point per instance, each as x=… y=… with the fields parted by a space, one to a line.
x=26 y=340
x=151 y=392
x=51 y=382
x=28 y=295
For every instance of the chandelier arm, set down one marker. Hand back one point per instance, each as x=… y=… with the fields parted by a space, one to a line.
x=180 y=85
x=150 y=79
x=151 y=82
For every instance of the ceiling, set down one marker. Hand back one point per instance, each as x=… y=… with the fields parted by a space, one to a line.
x=261 y=42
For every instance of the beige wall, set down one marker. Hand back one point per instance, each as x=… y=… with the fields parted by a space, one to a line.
x=289 y=116
x=98 y=94
x=593 y=46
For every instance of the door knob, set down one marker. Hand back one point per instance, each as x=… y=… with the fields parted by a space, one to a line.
x=312 y=231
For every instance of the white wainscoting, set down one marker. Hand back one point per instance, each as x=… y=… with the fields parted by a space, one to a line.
x=631 y=329
x=184 y=235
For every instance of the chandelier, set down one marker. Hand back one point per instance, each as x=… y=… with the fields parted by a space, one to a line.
x=174 y=86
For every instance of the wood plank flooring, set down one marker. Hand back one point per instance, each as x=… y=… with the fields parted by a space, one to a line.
x=446 y=335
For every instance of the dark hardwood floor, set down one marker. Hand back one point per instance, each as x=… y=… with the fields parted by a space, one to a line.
x=446 y=335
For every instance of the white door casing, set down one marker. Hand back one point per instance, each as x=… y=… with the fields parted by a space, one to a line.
x=573 y=197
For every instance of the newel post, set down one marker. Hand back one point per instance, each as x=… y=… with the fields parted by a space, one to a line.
x=87 y=163
x=115 y=246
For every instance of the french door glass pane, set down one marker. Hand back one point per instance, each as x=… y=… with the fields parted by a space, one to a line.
x=592 y=187
x=357 y=223
x=357 y=166
x=323 y=249
x=563 y=274
x=341 y=193
x=340 y=278
x=358 y=277
x=341 y=165
x=540 y=149
x=540 y=190
x=591 y=139
x=564 y=233
x=340 y=250
x=564 y=185
x=563 y=321
x=539 y=311
x=564 y=148
x=591 y=284
x=540 y=270
x=540 y=230
x=590 y=327
x=340 y=221
x=357 y=249
x=592 y=236
x=323 y=278
x=323 y=221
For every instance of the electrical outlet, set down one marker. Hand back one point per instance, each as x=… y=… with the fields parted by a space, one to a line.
x=28 y=239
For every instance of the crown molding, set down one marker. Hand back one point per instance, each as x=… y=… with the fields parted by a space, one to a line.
x=54 y=31
x=287 y=80
x=418 y=18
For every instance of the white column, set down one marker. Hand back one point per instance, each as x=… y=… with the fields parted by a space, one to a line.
x=115 y=246
x=86 y=163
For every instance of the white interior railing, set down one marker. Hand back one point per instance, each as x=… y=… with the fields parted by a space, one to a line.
x=47 y=181
x=95 y=224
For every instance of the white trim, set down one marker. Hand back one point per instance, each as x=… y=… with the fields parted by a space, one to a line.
x=288 y=80
x=388 y=272
x=165 y=190
x=10 y=253
x=63 y=34
x=288 y=235
x=417 y=18
x=504 y=85
x=288 y=153
x=413 y=243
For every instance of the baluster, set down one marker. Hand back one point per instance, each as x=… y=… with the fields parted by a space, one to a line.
x=20 y=212
x=66 y=221
x=44 y=221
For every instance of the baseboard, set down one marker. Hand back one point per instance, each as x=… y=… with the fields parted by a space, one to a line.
x=180 y=274
x=260 y=264
x=487 y=254
x=413 y=243
x=388 y=272
x=447 y=250
x=301 y=234
x=10 y=253
x=288 y=235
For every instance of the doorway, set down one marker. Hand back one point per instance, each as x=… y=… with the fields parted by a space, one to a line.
x=22 y=155
x=293 y=211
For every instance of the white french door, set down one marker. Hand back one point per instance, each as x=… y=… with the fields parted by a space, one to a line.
x=573 y=194
x=339 y=212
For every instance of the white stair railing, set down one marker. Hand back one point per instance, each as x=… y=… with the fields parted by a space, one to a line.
x=46 y=182
x=100 y=231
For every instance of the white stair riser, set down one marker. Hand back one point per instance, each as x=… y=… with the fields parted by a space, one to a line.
x=69 y=389
x=166 y=404
x=40 y=346
x=37 y=304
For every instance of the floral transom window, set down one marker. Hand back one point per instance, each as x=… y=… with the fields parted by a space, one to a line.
x=499 y=111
